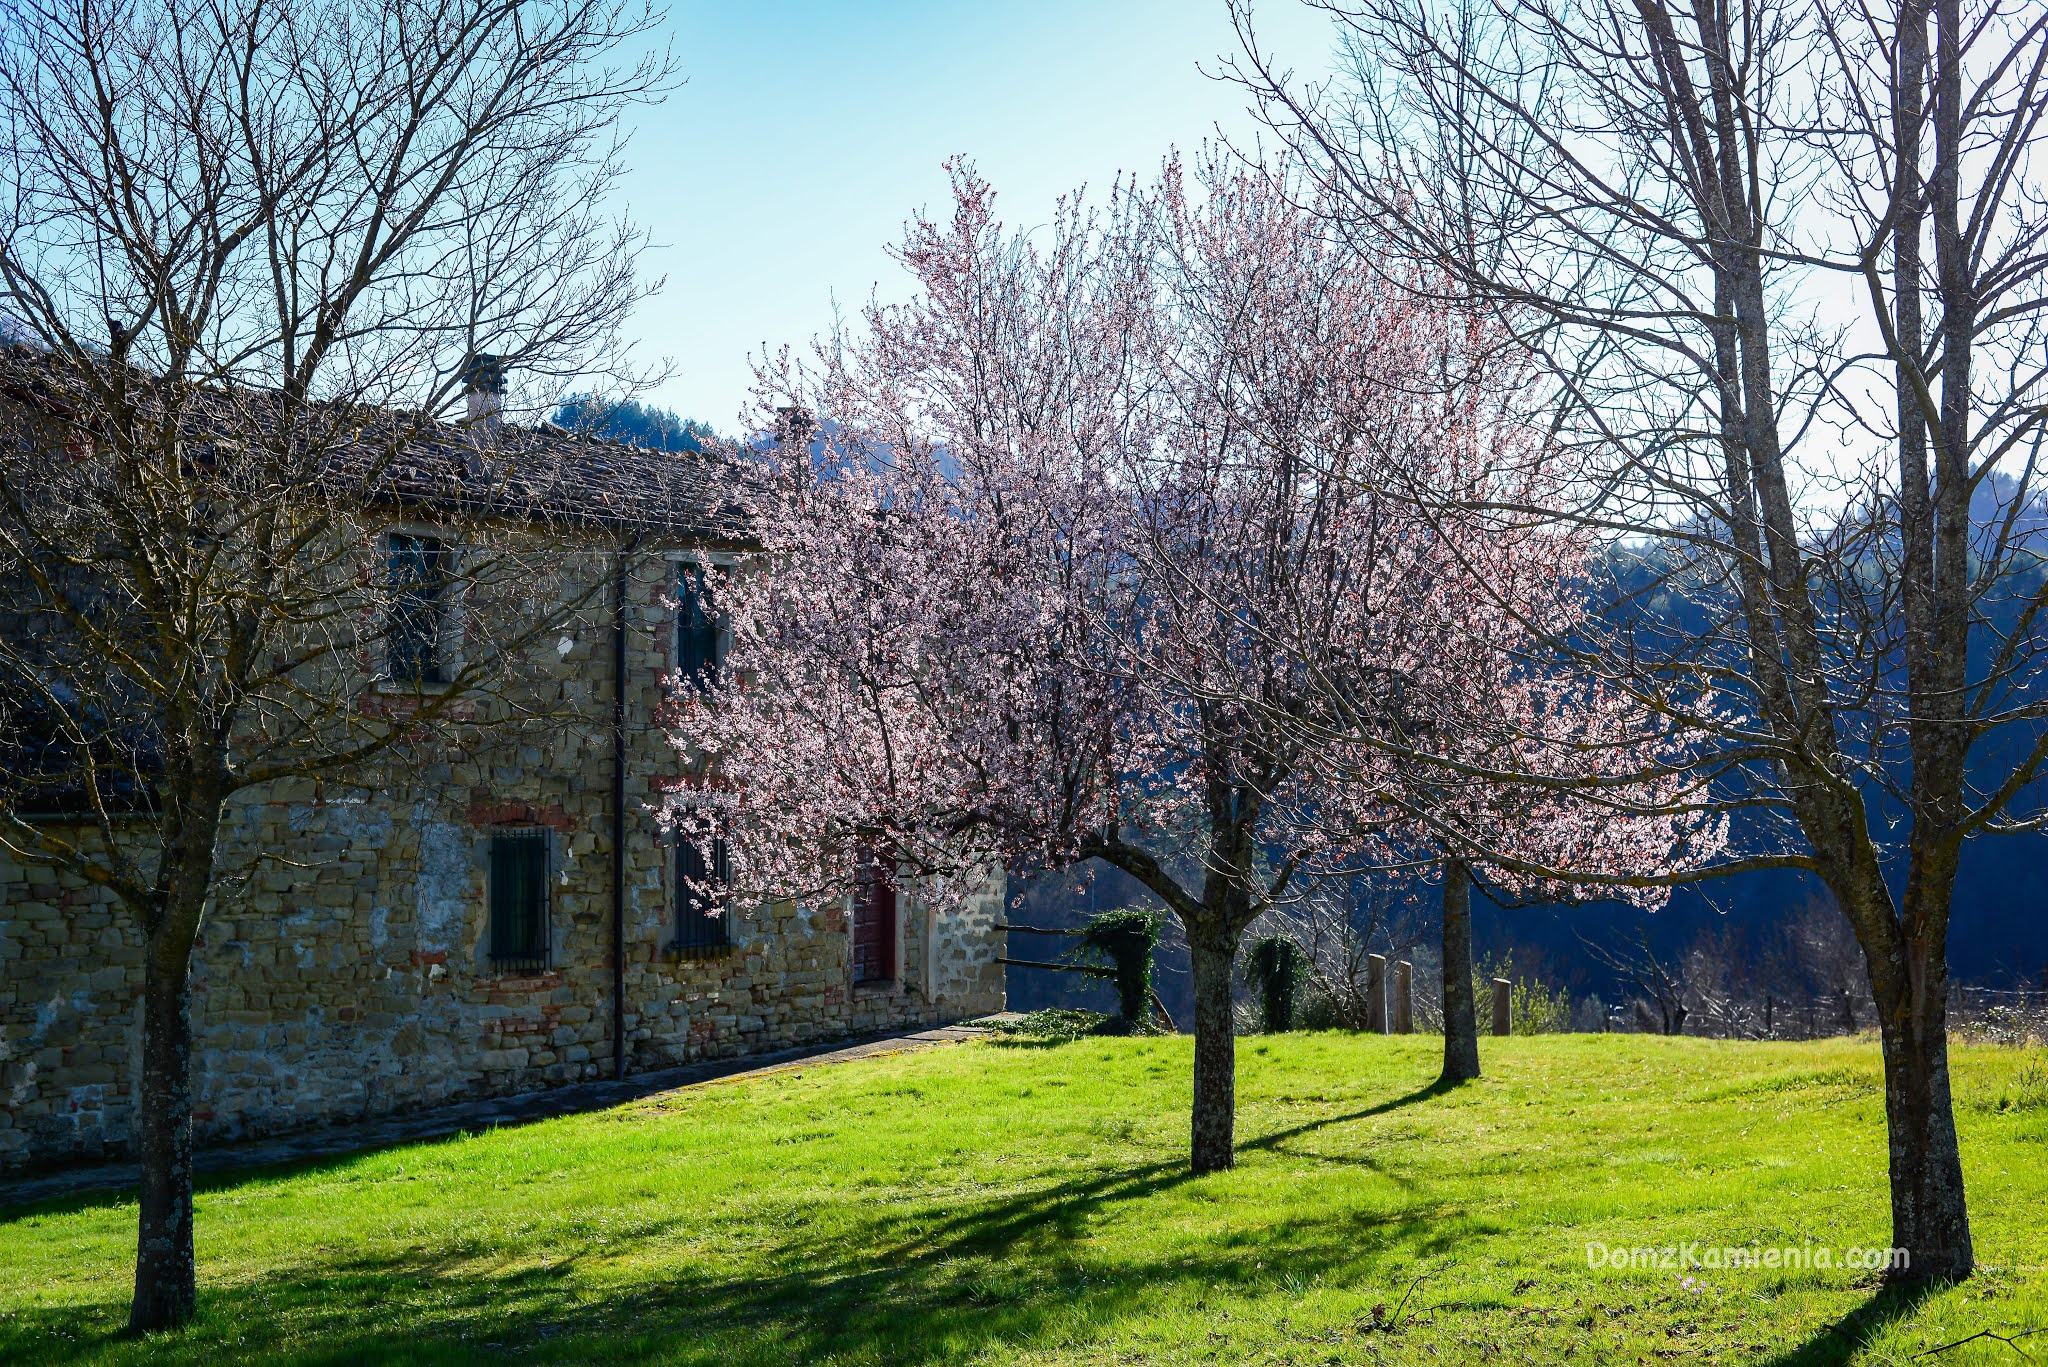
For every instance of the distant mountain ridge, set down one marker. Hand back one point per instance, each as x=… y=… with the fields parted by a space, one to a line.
x=633 y=423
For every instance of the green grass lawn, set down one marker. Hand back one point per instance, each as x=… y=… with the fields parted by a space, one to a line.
x=1006 y=1202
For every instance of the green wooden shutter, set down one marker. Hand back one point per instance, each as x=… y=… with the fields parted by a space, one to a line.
x=418 y=579
x=696 y=628
x=519 y=900
x=703 y=924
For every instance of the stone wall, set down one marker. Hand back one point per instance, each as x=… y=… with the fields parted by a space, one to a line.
x=345 y=972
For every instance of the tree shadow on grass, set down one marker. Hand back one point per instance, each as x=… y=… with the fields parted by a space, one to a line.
x=1065 y=1208
x=1272 y=1142
x=1838 y=1344
x=1015 y=1273
x=1015 y=1270
x=99 y=1198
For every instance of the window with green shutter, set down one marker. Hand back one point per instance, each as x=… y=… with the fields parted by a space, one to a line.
x=519 y=900
x=703 y=922
x=417 y=570
x=696 y=627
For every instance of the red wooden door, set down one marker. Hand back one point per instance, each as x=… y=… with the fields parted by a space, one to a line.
x=874 y=930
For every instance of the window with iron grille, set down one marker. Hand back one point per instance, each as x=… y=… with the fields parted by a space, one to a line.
x=519 y=900
x=417 y=577
x=696 y=627
x=703 y=922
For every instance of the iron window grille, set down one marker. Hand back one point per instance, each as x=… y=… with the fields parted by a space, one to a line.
x=417 y=577
x=703 y=922
x=697 y=627
x=519 y=900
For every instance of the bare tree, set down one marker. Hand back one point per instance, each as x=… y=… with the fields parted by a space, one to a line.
x=1829 y=969
x=1662 y=989
x=1339 y=924
x=253 y=249
x=1669 y=205
x=1800 y=978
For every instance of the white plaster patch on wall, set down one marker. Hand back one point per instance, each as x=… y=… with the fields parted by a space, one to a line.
x=80 y=1002
x=47 y=1013
x=301 y=922
x=446 y=852
x=647 y=898
x=354 y=819
x=24 y=1085
x=25 y=1082
x=380 y=926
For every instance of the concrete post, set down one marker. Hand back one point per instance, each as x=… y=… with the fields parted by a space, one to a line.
x=1404 y=998
x=1503 y=1004
x=1376 y=993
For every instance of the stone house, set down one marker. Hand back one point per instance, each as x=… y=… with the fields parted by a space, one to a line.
x=496 y=917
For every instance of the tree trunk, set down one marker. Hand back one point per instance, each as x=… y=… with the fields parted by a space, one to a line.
x=1214 y=924
x=165 y=1277
x=1215 y=1108
x=1930 y=1215
x=166 y=1291
x=1461 y=1022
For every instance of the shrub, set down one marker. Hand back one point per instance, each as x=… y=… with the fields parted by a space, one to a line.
x=1275 y=969
x=1056 y=1025
x=1315 y=1009
x=1533 y=1007
x=1127 y=937
x=2028 y=1090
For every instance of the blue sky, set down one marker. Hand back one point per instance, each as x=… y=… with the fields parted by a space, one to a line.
x=808 y=132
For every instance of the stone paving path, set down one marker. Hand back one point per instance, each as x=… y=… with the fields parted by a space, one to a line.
x=439 y=1122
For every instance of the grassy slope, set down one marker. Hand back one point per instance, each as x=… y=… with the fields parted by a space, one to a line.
x=1006 y=1203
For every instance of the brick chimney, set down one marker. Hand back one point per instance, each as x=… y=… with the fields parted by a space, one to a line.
x=483 y=388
